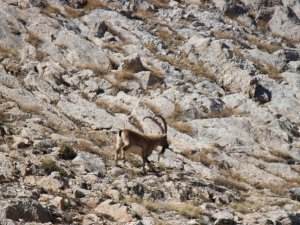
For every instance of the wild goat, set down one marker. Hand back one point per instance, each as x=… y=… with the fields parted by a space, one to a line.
x=141 y=144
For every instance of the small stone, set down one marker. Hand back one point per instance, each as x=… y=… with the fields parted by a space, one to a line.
x=58 y=202
x=78 y=194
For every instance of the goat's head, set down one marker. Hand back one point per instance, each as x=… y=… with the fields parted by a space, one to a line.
x=164 y=129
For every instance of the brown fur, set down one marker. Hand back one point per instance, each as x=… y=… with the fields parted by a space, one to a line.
x=140 y=144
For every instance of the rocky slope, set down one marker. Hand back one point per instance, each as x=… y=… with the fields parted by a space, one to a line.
x=224 y=74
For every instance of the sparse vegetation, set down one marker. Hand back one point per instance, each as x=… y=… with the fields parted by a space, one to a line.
x=186 y=209
x=33 y=39
x=67 y=152
x=263 y=67
x=219 y=34
x=95 y=4
x=2 y=149
x=40 y=55
x=205 y=156
x=196 y=68
x=230 y=183
x=263 y=45
x=96 y=68
x=62 y=46
x=246 y=206
x=74 y=13
x=185 y=128
x=8 y=52
x=124 y=75
x=49 y=165
x=225 y=112
x=160 y=3
x=114 y=47
x=2 y=115
x=87 y=146
x=136 y=123
x=31 y=107
x=175 y=120
x=113 y=107
x=280 y=154
x=50 y=9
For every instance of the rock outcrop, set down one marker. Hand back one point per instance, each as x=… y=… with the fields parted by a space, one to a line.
x=224 y=75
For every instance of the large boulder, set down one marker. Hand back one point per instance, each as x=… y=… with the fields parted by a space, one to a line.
x=26 y=209
x=285 y=23
x=88 y=162
x=121 y=213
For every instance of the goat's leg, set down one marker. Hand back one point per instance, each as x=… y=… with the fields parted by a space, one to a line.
x=144 y=163
x=119 y=146
x=124 y=149
x=117 y=154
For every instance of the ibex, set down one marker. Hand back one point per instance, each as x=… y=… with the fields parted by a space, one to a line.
x=141 y=144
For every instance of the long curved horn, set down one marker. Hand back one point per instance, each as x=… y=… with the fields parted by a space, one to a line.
x=157 y=123
x=164 y=122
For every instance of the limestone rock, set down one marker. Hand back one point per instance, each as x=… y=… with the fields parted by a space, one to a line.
x=52 y=182
x=285 y=20
x=89 y=163
x=118 y=211
x=27 y=209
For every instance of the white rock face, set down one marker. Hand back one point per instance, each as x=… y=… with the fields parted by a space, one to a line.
x=223 y=74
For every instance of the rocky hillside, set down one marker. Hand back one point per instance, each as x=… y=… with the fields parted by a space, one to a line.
x=225 y=74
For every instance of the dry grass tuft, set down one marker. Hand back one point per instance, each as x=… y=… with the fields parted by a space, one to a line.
x=124 y=75
x=267 y=68
x=160 y=3
x=134 y=121
x=185 y=128
x=230 y=183
x=49 y=9
x=119 y=86
x=113 y=107
x=98 y=70
x=225 y=112
x=74 y=13
x=220 y=34
x=67 y=152
x=184 y=63
x=175 y=120
x=86 y=146
x=280 y=189
x=114 y=47
x=2 y=116
x=185 y=209
x=247 y=206
x=33 y=39
x=31 y=107
x=62 y=46
x=264 y=68
x=40 y=55
x=268 y=158
x=264 y=46
x=99 y=138
x=95 y=4
x=8 y=52
x=280 y=154
x=49 y=165
x=205 y=156
x=161 y=222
